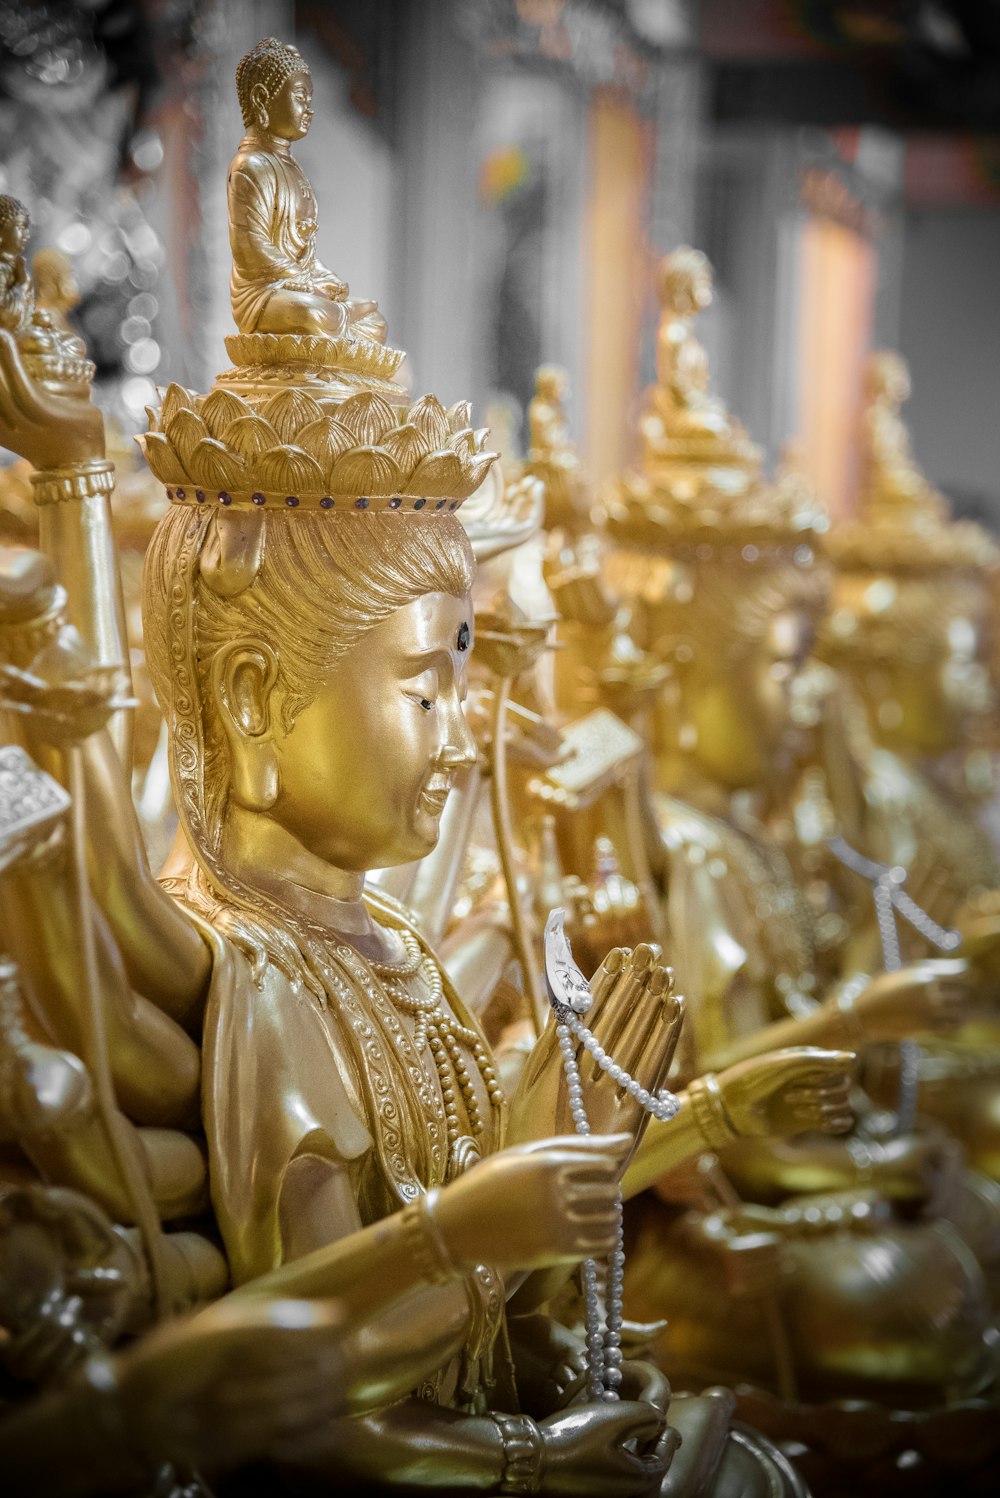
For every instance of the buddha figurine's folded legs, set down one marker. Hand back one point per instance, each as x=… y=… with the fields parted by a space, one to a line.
x=288 y=310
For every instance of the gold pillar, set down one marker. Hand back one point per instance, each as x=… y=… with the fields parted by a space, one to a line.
x=616 y=272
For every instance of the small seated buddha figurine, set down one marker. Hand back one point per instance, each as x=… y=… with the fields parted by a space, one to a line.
x=682 y=420
x=56 y=288
x=279 y=285
x=910 y=629
x=17 y=298
x=51 y=350
x=552 y=456
x=724 y=586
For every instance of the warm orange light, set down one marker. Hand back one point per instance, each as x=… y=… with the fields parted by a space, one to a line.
x=617 y=273
x=836 y=313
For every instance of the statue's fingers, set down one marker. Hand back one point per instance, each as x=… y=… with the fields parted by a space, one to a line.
x=20 y=387
x=605 y=978
x=590 y=1196
x=672 y=1023
x=603 y=986
x=634 y=1015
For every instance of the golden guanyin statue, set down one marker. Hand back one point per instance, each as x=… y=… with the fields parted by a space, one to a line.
x=910 y=629
x=279 y=285
x=308 y=627
x=724 y=586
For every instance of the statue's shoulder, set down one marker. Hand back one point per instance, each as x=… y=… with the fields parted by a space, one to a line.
x=250 y=163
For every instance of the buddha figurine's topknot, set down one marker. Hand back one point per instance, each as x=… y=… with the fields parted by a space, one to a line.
x=268 y=64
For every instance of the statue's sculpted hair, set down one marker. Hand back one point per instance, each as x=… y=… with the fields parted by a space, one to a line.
x=269 y=64
x=322 y=582
x=12 y=211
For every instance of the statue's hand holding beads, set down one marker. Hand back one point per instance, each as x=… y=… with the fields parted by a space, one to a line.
x=635 y=1018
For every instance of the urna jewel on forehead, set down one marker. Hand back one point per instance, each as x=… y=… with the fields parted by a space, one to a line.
x=310 y=417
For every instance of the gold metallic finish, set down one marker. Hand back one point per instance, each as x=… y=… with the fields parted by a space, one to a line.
x=310 y=662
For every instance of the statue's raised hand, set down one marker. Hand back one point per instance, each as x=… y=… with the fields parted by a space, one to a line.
x=788 y=1092
x=50 y=431
x=635 y=1018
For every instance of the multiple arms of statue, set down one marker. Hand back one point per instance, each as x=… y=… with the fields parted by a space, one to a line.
x=772 y=1096
x=926 y=995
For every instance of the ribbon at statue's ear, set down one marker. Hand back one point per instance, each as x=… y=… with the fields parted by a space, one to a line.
x=232 y=552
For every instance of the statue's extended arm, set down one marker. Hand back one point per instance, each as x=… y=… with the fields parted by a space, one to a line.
x=155 y=1066
x=771 y=1096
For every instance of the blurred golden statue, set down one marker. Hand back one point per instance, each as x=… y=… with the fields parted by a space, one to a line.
x=552 y=457
x=683 y=421
x=910 y=629
x=56 y=289
x=721 y=572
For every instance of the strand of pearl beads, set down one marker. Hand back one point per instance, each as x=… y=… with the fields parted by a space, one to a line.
x=604 y=1327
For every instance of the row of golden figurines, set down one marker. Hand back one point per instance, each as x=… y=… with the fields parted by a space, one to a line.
x=554 y=799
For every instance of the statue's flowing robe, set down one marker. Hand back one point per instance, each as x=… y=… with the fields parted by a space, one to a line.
x=272 y=228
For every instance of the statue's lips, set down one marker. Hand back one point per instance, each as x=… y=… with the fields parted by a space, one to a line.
x=433 y=797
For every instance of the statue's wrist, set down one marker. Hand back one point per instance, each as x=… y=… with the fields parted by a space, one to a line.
x=523 y=1453
x=845 y=1005
x=425 y=1241
x=708 y=1106
x=82 y=479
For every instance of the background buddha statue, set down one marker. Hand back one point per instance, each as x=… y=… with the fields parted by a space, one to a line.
x=910 y=629
x=683 y=420
x=279 y=285
x=723 y=585
x=552 y=456
x=56 y=288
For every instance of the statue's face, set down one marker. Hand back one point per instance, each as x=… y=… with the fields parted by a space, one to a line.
x=14 y=236
x=689 y=286
x=366 y=769
x=289 y=111
x=740 y=703
x=925 y=706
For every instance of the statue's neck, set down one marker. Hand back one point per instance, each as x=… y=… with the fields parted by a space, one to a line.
x=263 y=140
x=265 y=856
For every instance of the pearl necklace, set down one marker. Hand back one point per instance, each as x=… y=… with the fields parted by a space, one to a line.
x=890 y=899
x=435 y=1028
x=600 y=1282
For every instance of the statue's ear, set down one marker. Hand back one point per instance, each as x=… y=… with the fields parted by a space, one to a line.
x=258 y=105
x=243 y=679
x=232 y=552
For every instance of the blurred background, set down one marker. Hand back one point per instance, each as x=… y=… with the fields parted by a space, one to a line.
x=503 y=174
